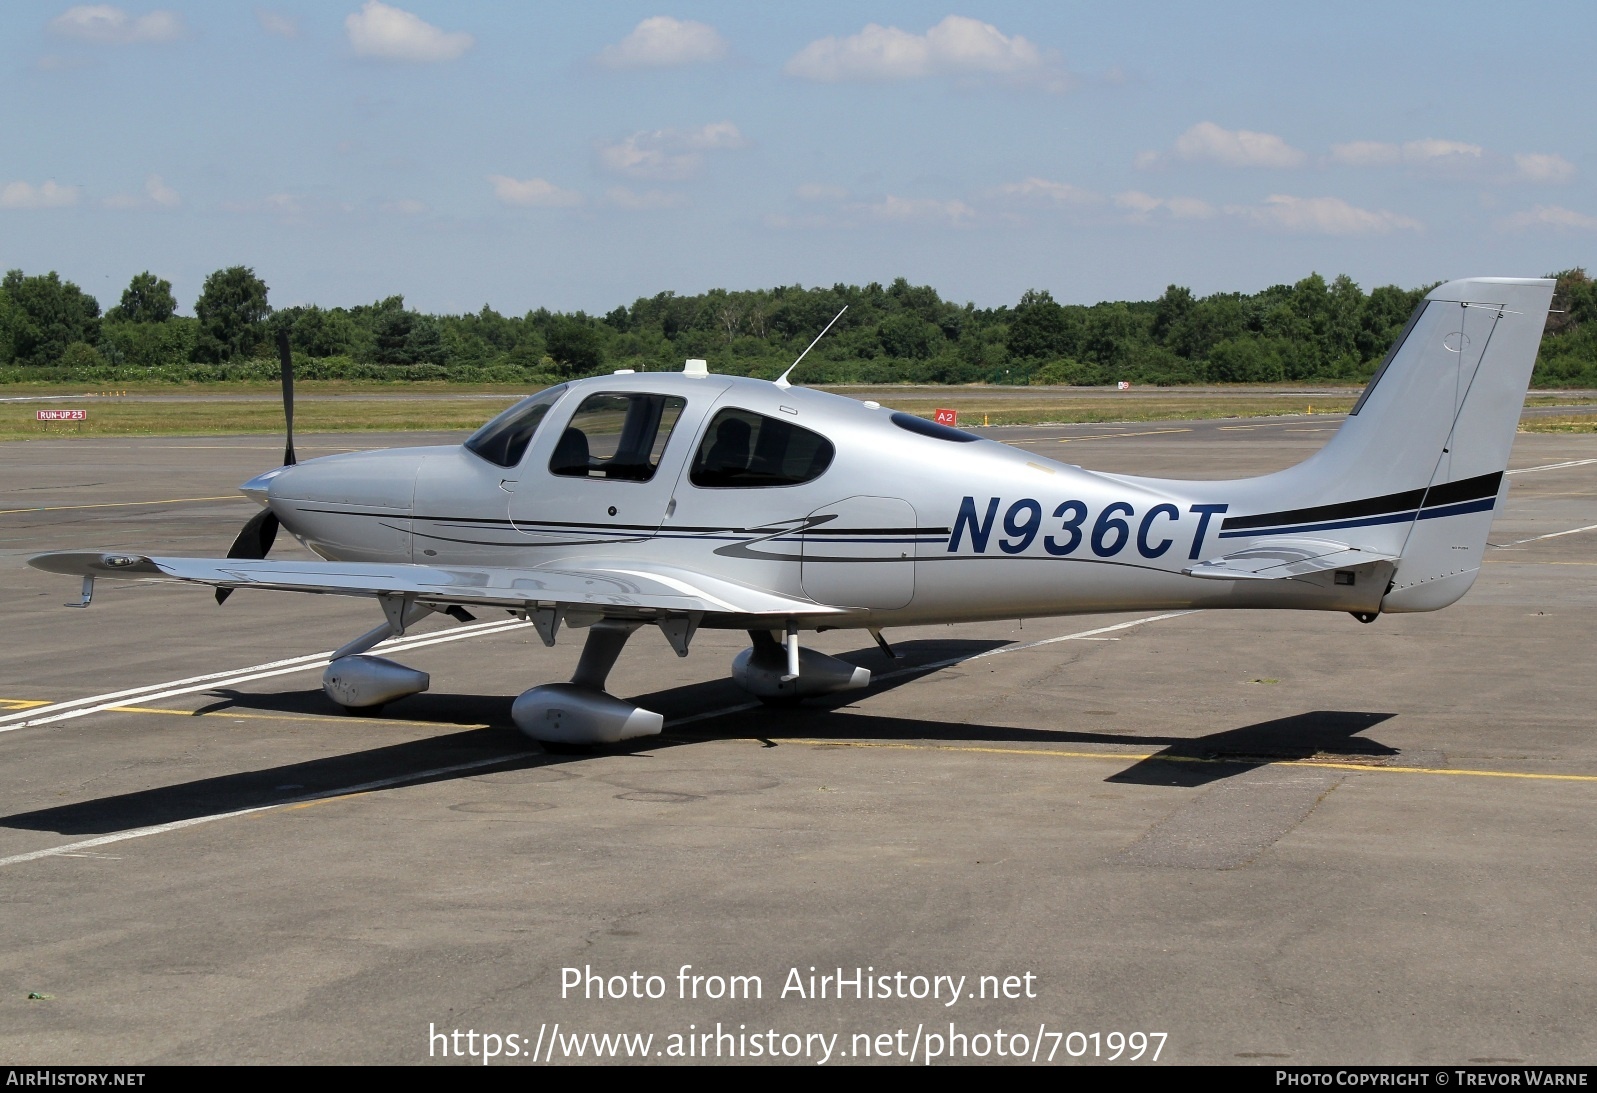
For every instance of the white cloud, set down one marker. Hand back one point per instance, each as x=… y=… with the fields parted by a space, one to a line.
x=48 y=195
x=287 y=208
x=377 y=30
x=272 y=22
x=1429 y=151
x=1539 y=167
x=1141 y=206
x=1458 y=158
x=921 y=210
x=1413 y=153
x=1366 y=153
x=836 y=211
x=633 y=201
x=160 y=193
x=956 y=47
x=1045 y=191
x=534 y=192
x=669 y=154
x=1207 y=142
x=157 y=194
x=405 y=206
x=1551 y=216
x=105 y=23
x=664 y=42
x=1137 y=201
x=1321 y=216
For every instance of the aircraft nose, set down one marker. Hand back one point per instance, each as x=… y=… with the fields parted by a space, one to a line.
x=381 y=480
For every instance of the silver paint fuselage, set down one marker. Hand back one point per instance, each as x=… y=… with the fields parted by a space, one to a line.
x=907 y=528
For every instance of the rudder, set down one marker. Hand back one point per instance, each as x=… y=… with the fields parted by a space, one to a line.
x=1477 y=340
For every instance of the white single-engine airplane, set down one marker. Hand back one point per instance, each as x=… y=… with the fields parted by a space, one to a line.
x=691 y=500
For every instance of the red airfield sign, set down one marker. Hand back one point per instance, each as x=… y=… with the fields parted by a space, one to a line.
x=61 y=415
x=946 y=417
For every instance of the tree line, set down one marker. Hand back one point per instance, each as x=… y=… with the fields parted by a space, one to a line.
x=1313 y=330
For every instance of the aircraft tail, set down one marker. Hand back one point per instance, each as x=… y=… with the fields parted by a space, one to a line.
x=1416 y=471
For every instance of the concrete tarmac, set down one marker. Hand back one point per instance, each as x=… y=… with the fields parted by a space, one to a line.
x=1243 y=837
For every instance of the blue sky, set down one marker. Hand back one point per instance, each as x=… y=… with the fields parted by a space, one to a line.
x=581 y=155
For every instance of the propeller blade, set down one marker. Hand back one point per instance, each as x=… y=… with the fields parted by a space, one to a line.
x=287 y=358
x=254 y=540
x=257 y=536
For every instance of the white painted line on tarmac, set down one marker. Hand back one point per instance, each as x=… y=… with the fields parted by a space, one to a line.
x=82 y=707
x=1553 y=466
x=1549 y=535
x=77 y=848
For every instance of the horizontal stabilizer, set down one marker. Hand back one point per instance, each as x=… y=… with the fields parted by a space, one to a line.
x=1285 y=558
x=621 y=589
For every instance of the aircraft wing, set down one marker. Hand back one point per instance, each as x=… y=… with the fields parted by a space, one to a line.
x=1283 y=559
x=625 y=589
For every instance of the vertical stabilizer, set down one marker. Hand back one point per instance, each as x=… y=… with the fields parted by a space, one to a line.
x=1429 y=439
x=1493 y=328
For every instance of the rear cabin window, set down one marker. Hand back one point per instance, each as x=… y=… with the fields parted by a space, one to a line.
x=504 y=440
x=619 y=436
x=743 y=450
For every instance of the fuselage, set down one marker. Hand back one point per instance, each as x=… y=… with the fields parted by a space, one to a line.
x=796 y=491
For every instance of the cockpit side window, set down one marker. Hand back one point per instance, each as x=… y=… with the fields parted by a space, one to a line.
x=743 y=450
x=503 y=441
x=617 y=435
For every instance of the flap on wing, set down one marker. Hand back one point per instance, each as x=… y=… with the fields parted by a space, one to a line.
x=1285 y=558
x=643 y=586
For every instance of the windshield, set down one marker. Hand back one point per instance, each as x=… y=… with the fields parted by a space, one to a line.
x=503 y=441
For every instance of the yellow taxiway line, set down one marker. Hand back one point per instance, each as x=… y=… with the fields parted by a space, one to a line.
x=978 y=749
x=346 y=719
x=122 y=504
x=1122 y=757
x=1110 y=436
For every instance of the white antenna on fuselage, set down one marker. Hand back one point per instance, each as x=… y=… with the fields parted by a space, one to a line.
x=781 y=381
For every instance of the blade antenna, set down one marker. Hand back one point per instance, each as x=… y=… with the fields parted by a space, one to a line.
x=781 y=381
x=288 y=394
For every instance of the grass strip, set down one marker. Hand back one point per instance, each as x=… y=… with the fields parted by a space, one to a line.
x=344 y=407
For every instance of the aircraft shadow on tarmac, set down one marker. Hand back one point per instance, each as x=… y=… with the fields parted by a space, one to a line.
x=1181 y=761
